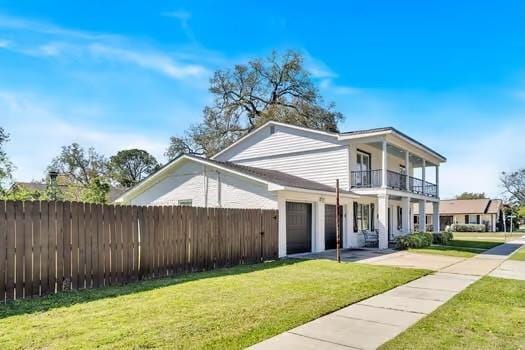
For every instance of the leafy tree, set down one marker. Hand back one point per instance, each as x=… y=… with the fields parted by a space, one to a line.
x=81 y=166
x=53 y=191
x=247 y=96
x=96 y=191
x=128 y=167
x=514 y=185
x=6 y=167
x=22 y=193
x=471 y=195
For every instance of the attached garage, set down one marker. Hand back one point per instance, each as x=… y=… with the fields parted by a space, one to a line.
x=298 y=227
x=330 y=234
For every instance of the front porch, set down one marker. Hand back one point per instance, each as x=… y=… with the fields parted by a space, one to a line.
x=372 y=220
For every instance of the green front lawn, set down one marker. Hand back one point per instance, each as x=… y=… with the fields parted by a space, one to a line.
x=458 y=248
x=490 y=314
x=487 y=236
x=461 y=252
x=519 y=254
x=223 y=309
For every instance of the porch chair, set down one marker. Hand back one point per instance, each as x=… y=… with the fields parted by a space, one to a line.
x=371 y=239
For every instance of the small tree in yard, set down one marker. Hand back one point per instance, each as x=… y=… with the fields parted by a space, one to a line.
x=247 y=96
x=96 y=192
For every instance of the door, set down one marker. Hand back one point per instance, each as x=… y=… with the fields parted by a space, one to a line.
x=330 y=234
x=363 y=168
x=298 y=227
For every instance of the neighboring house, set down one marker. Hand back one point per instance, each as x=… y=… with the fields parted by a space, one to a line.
x=74 y=190
x=294 y=169
x=466 y=211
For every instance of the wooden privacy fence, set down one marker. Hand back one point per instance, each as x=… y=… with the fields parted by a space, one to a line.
x=47 y=247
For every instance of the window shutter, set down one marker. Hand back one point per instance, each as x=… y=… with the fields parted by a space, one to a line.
x=355 y=216
x=466 y=219
x=477 y=219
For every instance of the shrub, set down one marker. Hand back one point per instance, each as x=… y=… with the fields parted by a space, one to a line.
x=468 y=228
x=414 y=240
x=442 y=237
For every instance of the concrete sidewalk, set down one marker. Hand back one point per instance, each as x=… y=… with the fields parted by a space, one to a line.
x=372 y=322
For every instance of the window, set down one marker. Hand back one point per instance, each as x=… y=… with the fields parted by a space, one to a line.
x=185 y=202
x=363 y=168
x=363 y=220
x=366 y=218
x=399 y=218
x=402 y=169
x=472 y=219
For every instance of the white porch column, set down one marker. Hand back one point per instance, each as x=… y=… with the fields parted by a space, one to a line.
x=435 y=217
x=382 y=224
x=422 y=216
x=405 y=219
x=351 y=160
x=351 y=236
x=319 y=241
x=384 y=165
x=407 y=170
x=282 y=227
x=423 y=171
x=437 y=181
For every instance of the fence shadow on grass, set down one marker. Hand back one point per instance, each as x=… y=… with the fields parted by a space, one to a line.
x=65 y=299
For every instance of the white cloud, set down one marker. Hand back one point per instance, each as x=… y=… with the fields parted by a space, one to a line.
x=38 y=130
x=181 y=15
x=155 y=61
x=57 y=42
x=329 y=87
x=476 y=161
x=22 y=24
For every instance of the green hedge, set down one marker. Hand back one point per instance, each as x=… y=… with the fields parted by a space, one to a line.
x=414 y=240
x=442 y=238
x=468 y=228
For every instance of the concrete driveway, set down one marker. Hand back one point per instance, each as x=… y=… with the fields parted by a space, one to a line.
x=387 y=257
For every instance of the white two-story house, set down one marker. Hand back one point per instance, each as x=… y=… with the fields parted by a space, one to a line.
x=381 y=173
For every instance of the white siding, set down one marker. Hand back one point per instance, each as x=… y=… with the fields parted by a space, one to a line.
x=309 y=155
x=324 y=166
x=283 y=140
x=188 y=182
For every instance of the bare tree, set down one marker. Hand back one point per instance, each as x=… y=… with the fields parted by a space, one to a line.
x=514 y=185
x=82 y=167
x=247 y=96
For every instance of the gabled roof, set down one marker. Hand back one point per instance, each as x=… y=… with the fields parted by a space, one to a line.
x=342 y=136
x=276 y=177
x=465 y=206
x=270 y=177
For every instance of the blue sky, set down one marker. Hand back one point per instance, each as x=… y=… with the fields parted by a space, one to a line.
x=120 y=74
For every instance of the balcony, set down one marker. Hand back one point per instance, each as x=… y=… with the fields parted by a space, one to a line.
x=394 y=180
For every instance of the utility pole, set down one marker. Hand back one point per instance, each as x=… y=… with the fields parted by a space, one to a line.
x=337 y=222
